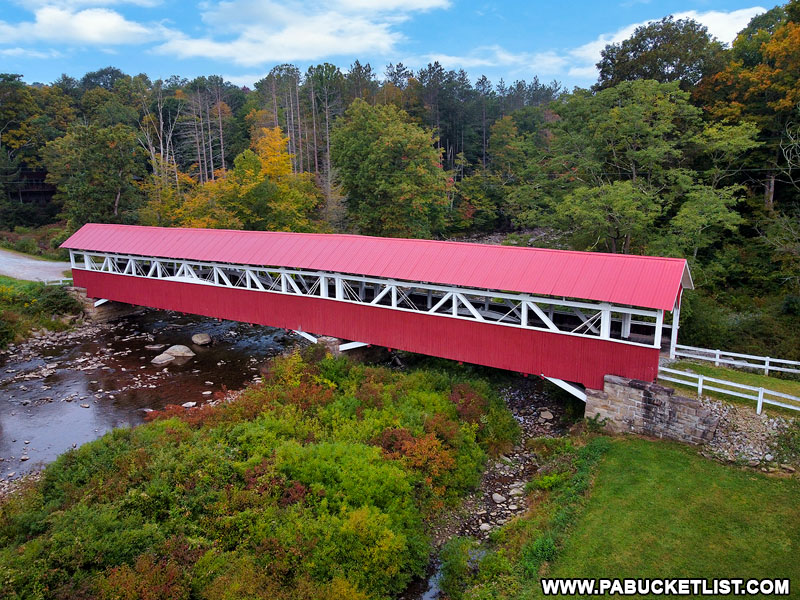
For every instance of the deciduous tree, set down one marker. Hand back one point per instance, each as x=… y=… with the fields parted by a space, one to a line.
x=390 y=171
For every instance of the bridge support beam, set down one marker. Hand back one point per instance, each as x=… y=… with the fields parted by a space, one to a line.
x=632 y=406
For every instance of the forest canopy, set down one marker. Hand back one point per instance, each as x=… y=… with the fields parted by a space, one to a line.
x=684 y=147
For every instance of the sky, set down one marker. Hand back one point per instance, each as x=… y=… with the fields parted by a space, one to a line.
x=243 y=39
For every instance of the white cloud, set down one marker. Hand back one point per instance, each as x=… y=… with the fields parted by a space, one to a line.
x=528 y=63
x=91 y=26
x=29 y=53
x=74 y=4
x=310 y=38
x=263 y=32
x=723 y=25
x=392 y=5
x=248 y=79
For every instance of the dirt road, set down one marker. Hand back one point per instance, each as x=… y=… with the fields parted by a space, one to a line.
x=21 y=266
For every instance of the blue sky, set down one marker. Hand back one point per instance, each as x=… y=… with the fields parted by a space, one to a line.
x=243 y=39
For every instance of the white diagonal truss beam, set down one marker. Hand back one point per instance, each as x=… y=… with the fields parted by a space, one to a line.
x=555 y=315
x=568 y=387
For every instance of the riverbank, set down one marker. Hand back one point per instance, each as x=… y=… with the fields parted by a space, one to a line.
x=27 y=306
x=59 y=390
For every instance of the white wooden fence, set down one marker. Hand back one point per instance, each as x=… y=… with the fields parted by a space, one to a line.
x=701 y=383
x=721 y=357
x=65 y=281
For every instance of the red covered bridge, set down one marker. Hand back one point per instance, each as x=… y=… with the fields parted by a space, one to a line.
x=567 y=316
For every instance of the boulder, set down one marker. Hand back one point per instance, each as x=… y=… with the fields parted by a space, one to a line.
x=189 y=404
x=201 y=339
x=546 y=415
x=163 y=359
x=179 y=351
x=155 y=347
x=498 y=498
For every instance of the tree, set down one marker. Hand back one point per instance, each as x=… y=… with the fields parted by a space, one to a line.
x=260 y=192
x=763 y=86
x=104 y=78
x=95 y=170
x=505 y=149
x=390 y=171
x=706 y=214
x=665 y=50
x=326 y=93
x=17 y=111
x=613 y=215
x=634 y=131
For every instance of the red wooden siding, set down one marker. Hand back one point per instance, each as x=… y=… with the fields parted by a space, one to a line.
x=572 y=358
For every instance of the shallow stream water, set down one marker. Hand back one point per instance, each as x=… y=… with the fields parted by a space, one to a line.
x=59 y=391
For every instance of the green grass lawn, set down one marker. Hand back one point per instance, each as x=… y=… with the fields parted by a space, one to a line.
x=657 y=509
x=785 y=386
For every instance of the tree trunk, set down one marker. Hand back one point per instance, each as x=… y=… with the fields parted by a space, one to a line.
x=210 y=141
x=221 y=138
x=314 y=125
x=299 y=125
x=769 y=192
x=290 y=129
x=200 y=156
x=327 y=152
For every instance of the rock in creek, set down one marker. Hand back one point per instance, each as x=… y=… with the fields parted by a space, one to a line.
x=201 y=339
x=155 y=346
x=179 y=350
x=498 y=498
x=163 y=359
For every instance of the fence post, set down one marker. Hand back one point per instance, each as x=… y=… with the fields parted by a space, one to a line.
x=766 y=366
x=700 y=386
x=760 y=400
x=716 y=357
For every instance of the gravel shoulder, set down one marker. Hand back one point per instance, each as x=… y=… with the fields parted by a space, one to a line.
x=22 y=266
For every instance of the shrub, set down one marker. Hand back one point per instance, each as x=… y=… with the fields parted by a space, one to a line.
x=54 y=300
x=540 y=550
x=548 y=481
x=6 y=330
x=27 y=245
x=470 y=405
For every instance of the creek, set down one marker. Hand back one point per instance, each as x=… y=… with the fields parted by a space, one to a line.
x=58 y=391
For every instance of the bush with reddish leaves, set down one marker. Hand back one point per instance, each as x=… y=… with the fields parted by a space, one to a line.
x=470 y=405
x=395 y=440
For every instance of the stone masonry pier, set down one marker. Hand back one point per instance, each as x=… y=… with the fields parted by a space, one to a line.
x=650 y=409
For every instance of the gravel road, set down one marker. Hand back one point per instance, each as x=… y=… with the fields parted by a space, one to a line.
x=20 y=266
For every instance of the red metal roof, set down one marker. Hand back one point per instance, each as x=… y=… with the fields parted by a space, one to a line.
x=644 y=281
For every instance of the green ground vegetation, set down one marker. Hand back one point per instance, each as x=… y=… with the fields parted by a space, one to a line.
x=315 y=484
x=656 y=509
x=27 y=305
x=41 y=242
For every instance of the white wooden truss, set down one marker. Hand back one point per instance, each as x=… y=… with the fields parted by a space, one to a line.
x=558 y=315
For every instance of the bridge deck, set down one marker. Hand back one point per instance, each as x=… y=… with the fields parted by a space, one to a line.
x=563 y=337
